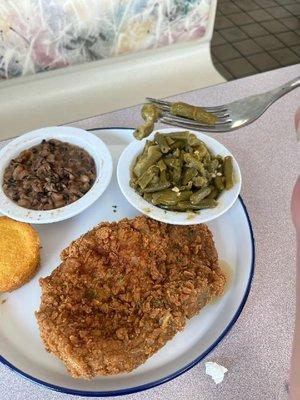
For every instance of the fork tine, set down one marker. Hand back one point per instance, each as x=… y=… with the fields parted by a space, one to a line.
x=223 y=127
x=220 y=114
x=189 y=124
x=215 y=109
x=223 y=120
x=219 y=111
x=186 y=125
x=158 y=101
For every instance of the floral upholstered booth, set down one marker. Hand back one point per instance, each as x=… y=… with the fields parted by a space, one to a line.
x=72 y=59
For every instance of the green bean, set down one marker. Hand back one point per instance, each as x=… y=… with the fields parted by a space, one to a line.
x=157 y=187
x=206 y=158
x=143 y=131
x=150 y=114
x=176 y=175
x=169 y=208
x=180 y=135
x=178 y=144
x=161 y=165
x=228 y=172
x=183 y=206
x=188 y=175
x=211 y=154
x=188 y=186
x=139 y=157
x=214 y=194
x=198 y=196
x=176 y=166
x=148 y=197
x=201 y=150
x=147 y=145
x=169 y=140
x=184 y=196
x=178 y=172
x=155 y=180
x=147 y=176
x=193 y=112
x=176 y=153
x=164 y=176
x=212 y=165
x=133 y=184
x=218 y=181
x=187 y=206
x=171 y=162
x=177 y=163
x=220 y=159
x=193 y=140
x=162 y=143
x=200 y=181
x=193 y=162
x=139 y=190
x=165 y=197
x=205 y=203
x=153 y=155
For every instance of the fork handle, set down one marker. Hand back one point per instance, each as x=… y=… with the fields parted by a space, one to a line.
x=285 y=88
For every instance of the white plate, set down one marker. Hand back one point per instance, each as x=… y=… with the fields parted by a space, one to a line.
x=225 y=201
x=20 y=344
x=79 y=137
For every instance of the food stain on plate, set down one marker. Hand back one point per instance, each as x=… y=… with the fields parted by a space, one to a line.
x=227 y=270
x=192 y=215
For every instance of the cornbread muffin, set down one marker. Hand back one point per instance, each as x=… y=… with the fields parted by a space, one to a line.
x=19 y=253
x=123 y=290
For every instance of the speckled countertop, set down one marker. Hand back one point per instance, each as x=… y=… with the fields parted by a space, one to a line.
x=257 y=350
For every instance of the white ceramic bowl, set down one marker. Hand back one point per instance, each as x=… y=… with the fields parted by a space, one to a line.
x=225 y=201
x=79 y=137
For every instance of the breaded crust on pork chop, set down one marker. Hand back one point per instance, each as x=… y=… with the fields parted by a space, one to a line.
x=123 y=290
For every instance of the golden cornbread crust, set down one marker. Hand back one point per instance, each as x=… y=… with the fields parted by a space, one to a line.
x=19 y=253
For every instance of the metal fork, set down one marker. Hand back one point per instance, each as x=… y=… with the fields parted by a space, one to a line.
x=232 y=115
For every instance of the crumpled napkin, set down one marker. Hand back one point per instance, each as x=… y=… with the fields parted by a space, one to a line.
x=216 y=371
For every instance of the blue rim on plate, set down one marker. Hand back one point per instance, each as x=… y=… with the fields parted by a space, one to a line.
x=166 y=378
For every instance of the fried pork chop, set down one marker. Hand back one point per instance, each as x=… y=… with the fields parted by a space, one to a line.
x=123 y=290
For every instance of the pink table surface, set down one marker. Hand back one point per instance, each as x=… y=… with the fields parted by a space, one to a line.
x=257 y=350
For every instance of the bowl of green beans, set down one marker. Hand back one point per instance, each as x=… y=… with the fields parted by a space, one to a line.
x=179 y=177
